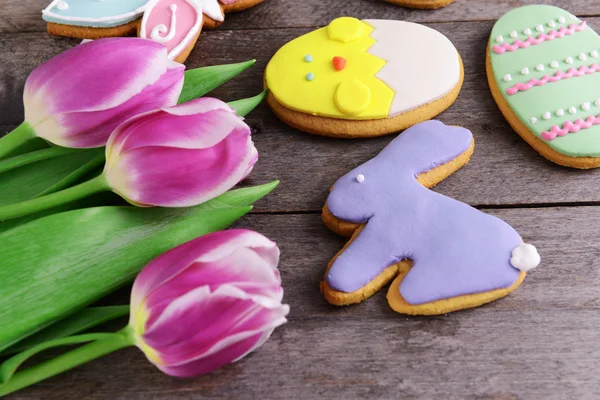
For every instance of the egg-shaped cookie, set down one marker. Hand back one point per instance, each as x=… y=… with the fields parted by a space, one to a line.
x=367 y=78
x=542 y=67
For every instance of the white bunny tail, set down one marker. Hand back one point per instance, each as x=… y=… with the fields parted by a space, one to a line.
x=525 y=257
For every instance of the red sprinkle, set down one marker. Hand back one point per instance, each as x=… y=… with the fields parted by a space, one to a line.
x=339 y=63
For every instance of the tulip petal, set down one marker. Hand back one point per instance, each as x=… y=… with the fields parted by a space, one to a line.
x=224 y=318
x=175 y=177
x=198 y=124
x=93 y=128
x=114 y=72
x=204 y=250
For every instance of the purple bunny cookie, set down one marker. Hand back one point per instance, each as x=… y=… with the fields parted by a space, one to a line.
x=444 y=254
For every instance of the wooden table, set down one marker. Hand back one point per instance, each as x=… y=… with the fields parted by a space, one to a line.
x=542 y=342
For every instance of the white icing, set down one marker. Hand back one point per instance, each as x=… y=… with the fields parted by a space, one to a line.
x=569 y=60
x=211 y=8
x=560 y=112
x=586 y=106
x=62 y=5
x=594 y=53
x=527 y=31
x=525 y=257
x=551 y=24
x=533 y=120
x=582 y=57
x=514 y=34
x=562 y=19
x=547 y=115
x=554 y=64
x=360 y=178
x=539 y=28
x=597 y=102
x=121 y=17
x=161 y=29
x=540 y=67
x=572 y=110
x=507 y=78
x=499 y=39
x=525 y=71
x=428 y=76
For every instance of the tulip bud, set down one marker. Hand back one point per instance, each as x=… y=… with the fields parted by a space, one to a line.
x=179 y=156
x=208 y=302
x=79 y=97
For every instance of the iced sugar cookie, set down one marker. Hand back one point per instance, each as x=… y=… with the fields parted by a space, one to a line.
x=442 y=255
x=366 y=78
x=175 y=23
x=426 y=4
x=542 y=67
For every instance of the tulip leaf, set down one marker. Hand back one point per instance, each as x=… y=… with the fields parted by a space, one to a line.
x=29 y=181
x=200 y=81
x=56 y=265
x=247 y=196
x=33 y=157
x=80 y=321
x=10 y=366
x=244 y=106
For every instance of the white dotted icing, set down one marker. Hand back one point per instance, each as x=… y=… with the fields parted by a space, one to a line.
x=560 y=112
x=527 y=31
x=540 y=67
x=507 y=78
x=594 y=53
x=585 y=106
x=540 y=28
x=562 y=19
x=62 y=5
x=597 y=102
x=533 y=120
x=582 y=57
x=514 y=34
x=569 y=60
x=499 y=39
x=551 y=24
x=547 y=115
x=554 y=64
x=525 y=71
x=572 y=110
x=360 y=178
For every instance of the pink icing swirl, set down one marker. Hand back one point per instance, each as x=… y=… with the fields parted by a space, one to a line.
x=542 y=37
x=570 y=127
x=560 y=75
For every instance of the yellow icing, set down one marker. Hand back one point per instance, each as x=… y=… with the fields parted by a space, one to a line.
x=286 y=74
x=345 y=29
x=352 y=96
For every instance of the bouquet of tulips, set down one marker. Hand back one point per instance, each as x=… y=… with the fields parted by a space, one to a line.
x=116 y=115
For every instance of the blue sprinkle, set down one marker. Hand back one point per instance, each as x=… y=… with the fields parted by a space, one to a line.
x=310 y=76
x=308 y=58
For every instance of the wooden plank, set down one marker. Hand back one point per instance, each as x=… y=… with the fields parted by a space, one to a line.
x=504 y=169
x=540 y=342
x=25 y=16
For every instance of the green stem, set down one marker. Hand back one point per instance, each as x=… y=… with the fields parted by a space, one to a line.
x=16 y=138
x=38 y=204
x=67 y=361
x=34 y=156
x=79 y=173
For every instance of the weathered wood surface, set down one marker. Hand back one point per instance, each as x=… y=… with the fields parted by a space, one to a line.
x=539 y=343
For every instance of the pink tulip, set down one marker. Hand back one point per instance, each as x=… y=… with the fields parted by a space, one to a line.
x=179 y=156
x=208 y=302
x=79 y=97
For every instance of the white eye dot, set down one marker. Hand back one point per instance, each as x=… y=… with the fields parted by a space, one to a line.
x=360 y=178
x=62 y=5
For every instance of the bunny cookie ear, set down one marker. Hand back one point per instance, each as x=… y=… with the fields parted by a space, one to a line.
x=177 y=23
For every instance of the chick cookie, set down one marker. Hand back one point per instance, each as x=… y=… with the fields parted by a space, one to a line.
x=442 y=255
x=174 y=23
x=367 y=78
x=542 y=68
x=425 y=4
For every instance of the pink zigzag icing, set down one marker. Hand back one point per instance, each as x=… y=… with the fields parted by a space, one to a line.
x=560 y=75
x=542 y=37
x=570 y=127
